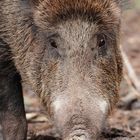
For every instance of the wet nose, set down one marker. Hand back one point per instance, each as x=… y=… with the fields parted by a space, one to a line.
x=79 y=137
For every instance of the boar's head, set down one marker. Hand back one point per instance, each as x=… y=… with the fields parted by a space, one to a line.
x=74 y=62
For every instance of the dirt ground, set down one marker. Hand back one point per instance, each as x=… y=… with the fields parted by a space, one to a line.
x=124 y=123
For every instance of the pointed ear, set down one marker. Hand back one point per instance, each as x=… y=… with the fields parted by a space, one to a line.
x=124 y=4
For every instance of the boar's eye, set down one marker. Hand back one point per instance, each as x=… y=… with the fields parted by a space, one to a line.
x=53 y=43
x=101 y=41
x=102 y=45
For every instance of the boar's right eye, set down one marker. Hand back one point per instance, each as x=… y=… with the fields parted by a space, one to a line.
x=53 y=43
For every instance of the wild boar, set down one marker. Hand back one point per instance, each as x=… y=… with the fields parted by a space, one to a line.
x=68 y=52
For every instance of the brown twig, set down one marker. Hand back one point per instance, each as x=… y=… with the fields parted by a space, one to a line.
x=131 y=78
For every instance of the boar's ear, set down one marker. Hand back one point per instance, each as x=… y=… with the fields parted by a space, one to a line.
x=124 y=4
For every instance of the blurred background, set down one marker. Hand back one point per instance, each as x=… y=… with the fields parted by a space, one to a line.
x=137 y=3
x=124 y=123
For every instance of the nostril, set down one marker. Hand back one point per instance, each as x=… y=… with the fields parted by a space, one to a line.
x=79 y=137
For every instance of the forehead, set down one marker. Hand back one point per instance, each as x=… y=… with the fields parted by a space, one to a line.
x=77 y=30
x=98 y=11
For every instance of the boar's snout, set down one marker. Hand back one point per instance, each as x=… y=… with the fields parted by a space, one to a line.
x=79 y=117
x=78 y=137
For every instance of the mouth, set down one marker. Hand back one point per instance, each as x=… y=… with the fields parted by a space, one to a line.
x=82 y=133
x=78 y=136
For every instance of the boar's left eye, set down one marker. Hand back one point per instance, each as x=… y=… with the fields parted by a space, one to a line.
x=102 y=45
x=101 y=41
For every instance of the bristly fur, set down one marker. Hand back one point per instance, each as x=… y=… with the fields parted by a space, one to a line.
x=99 y=11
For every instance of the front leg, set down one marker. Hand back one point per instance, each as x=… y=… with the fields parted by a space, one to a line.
x=12 y=114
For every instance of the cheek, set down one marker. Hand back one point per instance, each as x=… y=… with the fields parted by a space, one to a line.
x=61 y=111
x=103 y=105
x=59 y=105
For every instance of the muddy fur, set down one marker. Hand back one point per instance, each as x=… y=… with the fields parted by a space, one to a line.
x=53 y=46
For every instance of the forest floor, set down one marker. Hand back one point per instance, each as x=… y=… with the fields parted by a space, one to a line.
x=124 y=123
